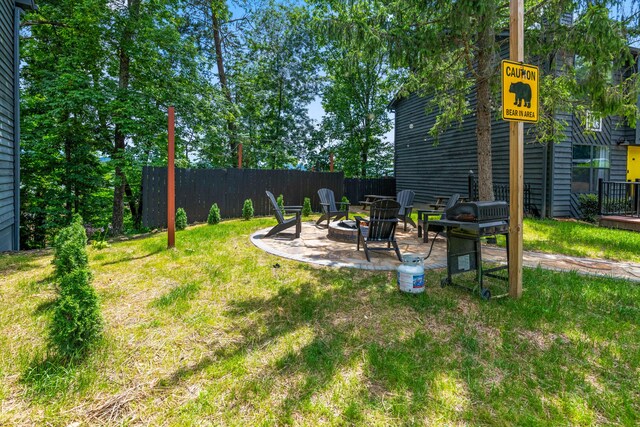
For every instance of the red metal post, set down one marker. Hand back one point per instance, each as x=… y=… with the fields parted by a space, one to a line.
x=330 y=162
x=171 y=183
x=240 y=156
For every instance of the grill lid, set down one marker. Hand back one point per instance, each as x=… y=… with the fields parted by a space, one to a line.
x=478 y=211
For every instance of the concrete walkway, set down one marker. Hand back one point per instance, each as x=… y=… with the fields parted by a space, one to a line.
x=314 y=247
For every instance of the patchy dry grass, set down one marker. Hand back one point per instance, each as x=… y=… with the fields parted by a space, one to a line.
x=213 y=333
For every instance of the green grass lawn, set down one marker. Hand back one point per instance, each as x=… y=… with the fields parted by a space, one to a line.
x=217 y=332
x=576 y=238
x=580 y=239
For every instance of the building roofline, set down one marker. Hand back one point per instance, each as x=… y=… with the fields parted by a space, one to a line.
x=391 y=106
x=26 y=4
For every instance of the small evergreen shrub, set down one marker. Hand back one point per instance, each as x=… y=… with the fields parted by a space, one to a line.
x=214 y=215
x=306 y=207
x=70 y=248
x=181 y=219
x=247 y=210
x=280 y=203
x=76 y=324
x=588 y=204
x=344 y=202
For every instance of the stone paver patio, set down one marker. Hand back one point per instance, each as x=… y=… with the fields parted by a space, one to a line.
x=314 y=247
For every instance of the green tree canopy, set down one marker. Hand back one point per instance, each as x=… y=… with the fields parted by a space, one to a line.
x=452 y=52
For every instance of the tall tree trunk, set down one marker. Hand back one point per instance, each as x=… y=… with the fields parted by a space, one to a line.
x=39 y=225
x=217 y=42
x=364 y=151
x=134 y=206
x=68 y=182
x=364 y=157
x=486 y=41
x=117 y=219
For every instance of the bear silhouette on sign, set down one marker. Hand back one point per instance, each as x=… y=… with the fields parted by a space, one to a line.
x=522 y=92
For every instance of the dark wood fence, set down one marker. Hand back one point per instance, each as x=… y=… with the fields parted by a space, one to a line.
x=356 y=188
x=198 y=189
x=618 y=198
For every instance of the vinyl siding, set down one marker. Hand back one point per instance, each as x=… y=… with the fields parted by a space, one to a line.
x=560 y=172
x=423 y=166
x=6 y=235
x=442 y=169
x=614 y=131
x=7 y=178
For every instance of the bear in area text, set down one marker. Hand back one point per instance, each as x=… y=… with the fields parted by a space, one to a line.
x=522 y=92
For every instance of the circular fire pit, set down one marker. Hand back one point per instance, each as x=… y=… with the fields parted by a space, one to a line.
x=343 y=231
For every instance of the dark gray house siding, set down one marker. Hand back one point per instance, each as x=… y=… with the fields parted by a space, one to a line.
x=613 y=131
x=560 y=164
x=10 y=123
x=431 y=170
x=8 y=222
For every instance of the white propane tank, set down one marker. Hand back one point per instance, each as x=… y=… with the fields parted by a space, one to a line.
x=411 y=274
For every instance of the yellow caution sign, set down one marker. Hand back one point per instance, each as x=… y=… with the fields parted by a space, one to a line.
x=520 y=88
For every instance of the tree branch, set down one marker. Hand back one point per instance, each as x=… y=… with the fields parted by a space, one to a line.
x=52 y=23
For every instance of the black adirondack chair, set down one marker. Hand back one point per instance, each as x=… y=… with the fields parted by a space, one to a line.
x=329 y=208
x=379 y=228
x=423 y=218
x=405 y=198
x=283 y=223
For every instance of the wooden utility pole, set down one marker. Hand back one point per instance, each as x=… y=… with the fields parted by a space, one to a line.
x=171 y=184
x=240 y=155
x=330 y=162
x=516 y=156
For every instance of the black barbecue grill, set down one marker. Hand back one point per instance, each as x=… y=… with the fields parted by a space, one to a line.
x=465 y=225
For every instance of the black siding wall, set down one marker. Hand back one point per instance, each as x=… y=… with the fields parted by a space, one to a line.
x=427 y=169
x=442 y=169
x=432 y=170
x=8 y=221
x=613 y=131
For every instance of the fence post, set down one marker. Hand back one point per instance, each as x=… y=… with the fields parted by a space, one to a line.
x=637 y=193
x=171 y=183
x=600 y=187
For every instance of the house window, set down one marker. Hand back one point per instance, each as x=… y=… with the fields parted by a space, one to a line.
x=590 y=163
x=592 y=122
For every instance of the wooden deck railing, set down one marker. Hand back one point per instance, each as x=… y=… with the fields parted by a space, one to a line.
x=618 y=198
